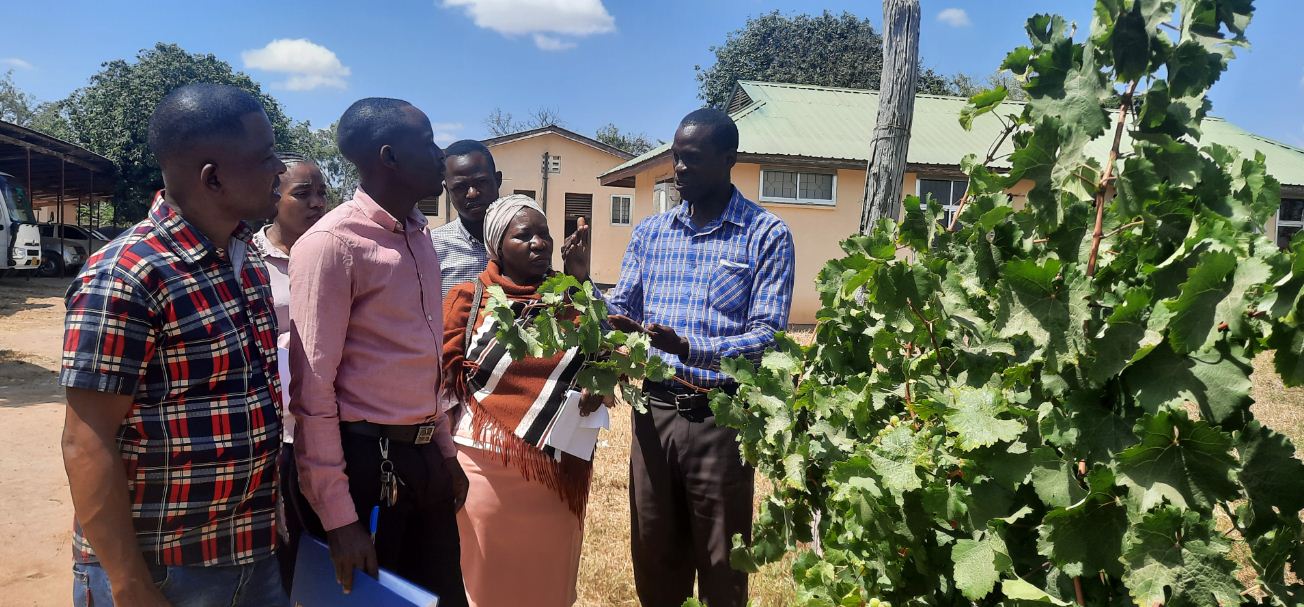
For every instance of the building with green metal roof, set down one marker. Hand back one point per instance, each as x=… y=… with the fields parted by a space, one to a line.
x=802 y=153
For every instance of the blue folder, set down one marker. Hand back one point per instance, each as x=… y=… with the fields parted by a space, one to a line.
x=315 y=585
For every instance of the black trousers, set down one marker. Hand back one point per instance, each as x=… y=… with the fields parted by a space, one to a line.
x=416 y=538
x=689 y=493
x=290 y=505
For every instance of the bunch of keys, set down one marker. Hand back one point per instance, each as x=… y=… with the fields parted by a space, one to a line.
x=388 y=481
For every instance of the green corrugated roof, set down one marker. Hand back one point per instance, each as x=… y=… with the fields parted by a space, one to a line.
x=806 y=121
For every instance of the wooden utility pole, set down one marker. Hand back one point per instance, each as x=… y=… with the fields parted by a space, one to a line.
x=885 y=172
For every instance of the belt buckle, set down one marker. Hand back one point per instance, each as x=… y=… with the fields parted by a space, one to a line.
x=424 y=434
x=681 y=400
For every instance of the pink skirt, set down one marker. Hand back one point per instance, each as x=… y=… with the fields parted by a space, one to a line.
x=520 y=542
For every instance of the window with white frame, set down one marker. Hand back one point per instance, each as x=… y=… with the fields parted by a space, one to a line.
x=802 y=187
x=621 y=207
x=946 y=192
x=1290 y=219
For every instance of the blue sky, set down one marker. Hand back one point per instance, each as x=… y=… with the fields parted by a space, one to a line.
x=597 y=61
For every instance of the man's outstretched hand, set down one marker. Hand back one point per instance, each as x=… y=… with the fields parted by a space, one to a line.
x=663 y=338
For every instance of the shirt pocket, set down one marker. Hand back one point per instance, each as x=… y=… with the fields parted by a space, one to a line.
x=730 y=286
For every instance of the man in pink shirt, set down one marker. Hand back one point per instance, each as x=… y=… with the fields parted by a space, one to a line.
x=366 y=323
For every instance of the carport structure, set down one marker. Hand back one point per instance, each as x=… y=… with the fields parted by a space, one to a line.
x=60 y=177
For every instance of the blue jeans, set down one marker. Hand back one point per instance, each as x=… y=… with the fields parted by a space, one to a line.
x=257 y=584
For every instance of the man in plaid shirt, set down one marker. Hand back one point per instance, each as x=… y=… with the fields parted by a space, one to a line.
x=173 y=421
x=710 y=279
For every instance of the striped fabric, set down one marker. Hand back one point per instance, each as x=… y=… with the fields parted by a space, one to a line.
x=726 y=287
x=160 y=313
x=491 y=362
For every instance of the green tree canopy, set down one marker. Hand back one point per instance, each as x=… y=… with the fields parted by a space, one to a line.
x=16 y=106
x=634 y=143
x=825 y=50
x=110 y=115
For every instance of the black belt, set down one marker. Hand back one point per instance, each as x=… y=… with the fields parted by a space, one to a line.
x=681 y=398
x=416 y=434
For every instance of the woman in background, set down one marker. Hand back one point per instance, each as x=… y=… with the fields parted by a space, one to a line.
x=303 y=202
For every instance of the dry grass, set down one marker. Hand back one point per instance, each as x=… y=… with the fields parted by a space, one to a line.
x=606 y=577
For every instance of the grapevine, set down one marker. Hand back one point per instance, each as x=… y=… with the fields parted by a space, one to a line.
x=616 y=361
x=1048 y=403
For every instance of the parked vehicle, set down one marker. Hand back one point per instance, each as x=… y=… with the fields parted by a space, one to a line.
x=77 y=244
x=20 y=241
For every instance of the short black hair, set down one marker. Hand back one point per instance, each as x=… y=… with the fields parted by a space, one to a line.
x=467 y=147
x=724 y=133
x=368 y=124
x=198 y=112
x=289 y=158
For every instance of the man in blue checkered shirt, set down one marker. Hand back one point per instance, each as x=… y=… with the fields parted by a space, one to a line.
x=710 y=279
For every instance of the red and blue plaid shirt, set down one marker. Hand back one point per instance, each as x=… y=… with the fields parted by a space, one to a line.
x=159 y=313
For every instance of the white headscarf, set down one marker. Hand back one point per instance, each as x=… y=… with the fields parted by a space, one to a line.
x=499 y=216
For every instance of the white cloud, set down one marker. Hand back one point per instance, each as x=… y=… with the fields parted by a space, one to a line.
x=446 y=132
x=307 y=65
x=545 y=19
x=16 y=63
x=954 y=17
x=550 y=43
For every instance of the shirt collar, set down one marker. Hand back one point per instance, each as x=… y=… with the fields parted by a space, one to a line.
x=381 y=217
x=735 y=212
x=188 y=242
x=265 y=246
x=466 y=234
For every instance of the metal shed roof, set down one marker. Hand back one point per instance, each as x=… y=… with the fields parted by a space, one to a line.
x=826 y=123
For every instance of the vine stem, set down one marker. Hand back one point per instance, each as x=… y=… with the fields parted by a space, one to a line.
x=1107 y=176
x=1077 y=589
x=991 y=157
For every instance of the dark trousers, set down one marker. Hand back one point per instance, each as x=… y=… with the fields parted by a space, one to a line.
x=689 y=493
x=416 y=538
x=290 y=506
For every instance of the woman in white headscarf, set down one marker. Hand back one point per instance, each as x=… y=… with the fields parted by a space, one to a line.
x=522 y=525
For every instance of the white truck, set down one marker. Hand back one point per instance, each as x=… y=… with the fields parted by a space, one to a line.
x=20 y=239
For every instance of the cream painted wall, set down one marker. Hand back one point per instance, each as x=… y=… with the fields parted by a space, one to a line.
x=816 y=230
x=520 y=162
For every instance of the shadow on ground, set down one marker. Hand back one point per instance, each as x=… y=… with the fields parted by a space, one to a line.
x=24 y=383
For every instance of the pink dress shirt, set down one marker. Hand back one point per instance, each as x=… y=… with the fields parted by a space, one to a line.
x=366 y=326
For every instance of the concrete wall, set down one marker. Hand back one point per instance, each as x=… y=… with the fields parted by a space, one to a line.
x=520 y=163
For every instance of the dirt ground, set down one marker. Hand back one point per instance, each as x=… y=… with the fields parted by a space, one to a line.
x=36 y=510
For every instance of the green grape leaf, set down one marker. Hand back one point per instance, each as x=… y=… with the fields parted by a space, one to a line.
x=1188 y=464
x=978 y=564
x=1182 y=553
x=1086 y=538
x=973 y=417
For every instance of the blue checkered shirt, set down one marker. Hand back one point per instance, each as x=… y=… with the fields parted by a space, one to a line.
x=726 y=287
x=461 y=257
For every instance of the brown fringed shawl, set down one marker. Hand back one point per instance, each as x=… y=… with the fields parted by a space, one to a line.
x=512 y=403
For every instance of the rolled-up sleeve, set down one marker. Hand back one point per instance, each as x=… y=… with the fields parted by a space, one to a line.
x=320 y=278
x=110 y=334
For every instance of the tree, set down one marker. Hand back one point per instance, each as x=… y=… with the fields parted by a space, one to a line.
x=886 y=169
x=502 y=123
x=110 y=115
x=824 y=50
x=16 y=106
x=968 y=86
x=634 y=143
